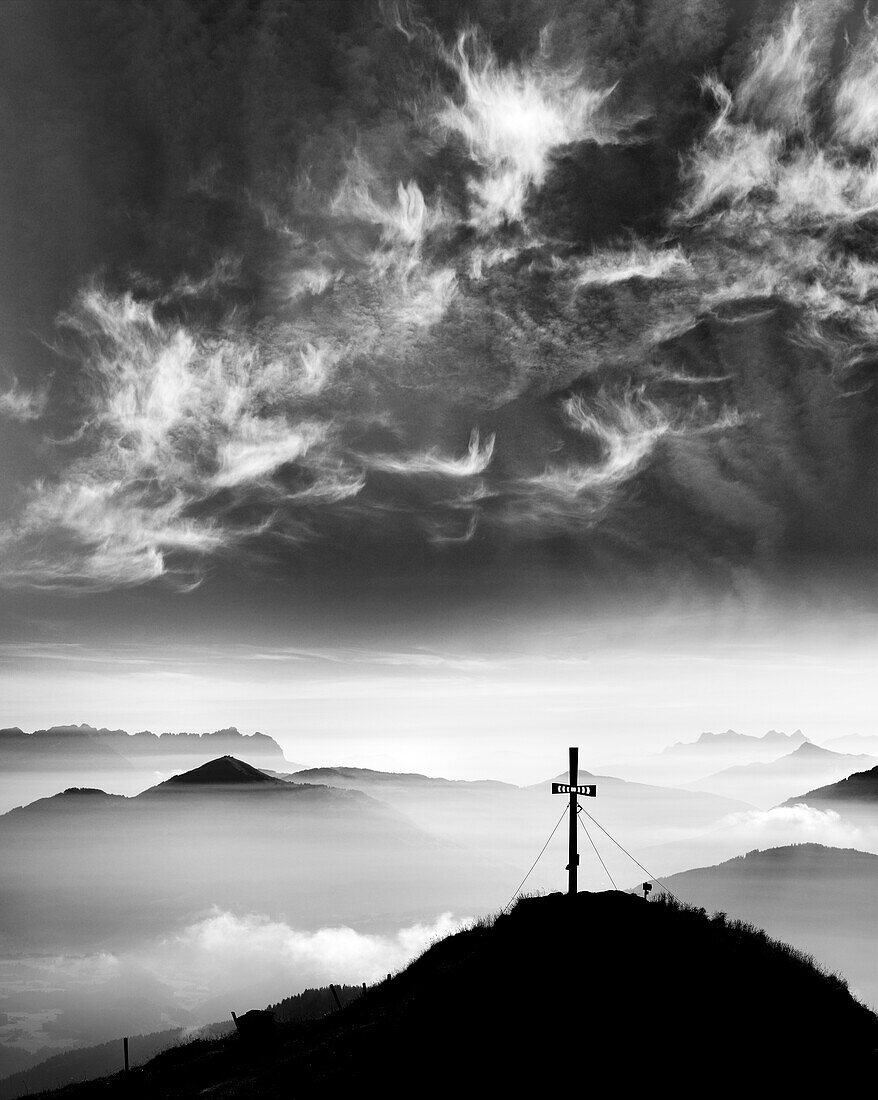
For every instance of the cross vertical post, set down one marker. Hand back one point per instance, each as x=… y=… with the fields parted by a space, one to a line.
x=575 y=790
x=573 y=855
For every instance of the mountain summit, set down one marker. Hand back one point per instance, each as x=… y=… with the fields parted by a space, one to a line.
x=226 y=771
x=503 y=1008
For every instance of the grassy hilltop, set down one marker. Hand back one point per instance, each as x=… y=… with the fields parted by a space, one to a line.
x=606 y=990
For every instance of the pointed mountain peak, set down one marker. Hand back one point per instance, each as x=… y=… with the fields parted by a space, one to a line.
x=808 y=749
x=225 y=771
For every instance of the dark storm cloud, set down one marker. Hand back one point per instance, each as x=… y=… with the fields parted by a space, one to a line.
x=462 y=287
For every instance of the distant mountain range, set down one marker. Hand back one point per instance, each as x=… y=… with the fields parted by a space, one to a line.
x=367 y=777
x=500 y=818
x=36 y=765
x=492 y=1011
x=83 y=744
x=224 y=776
x=686 y=761
x=819 y=899
x=769 y=743
x=89 y=869
x=767 y=784
x=356 y=843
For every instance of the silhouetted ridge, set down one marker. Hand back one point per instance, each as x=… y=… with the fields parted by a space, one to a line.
x=84 y=1063
x=78 y=800
x=643 y=993
x=311 y=1003
x=328 y=773
x=564 y=777
x=227 y=771
x=859 y=787
x=344 y=775
x=812 y=859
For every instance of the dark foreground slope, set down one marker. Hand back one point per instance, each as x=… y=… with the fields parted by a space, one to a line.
x=105 y=1058
x=607 y=990
x=821 y=900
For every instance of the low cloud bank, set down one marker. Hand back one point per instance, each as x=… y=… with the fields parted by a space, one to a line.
x=193 y=976
x=226 y=951
x=799 y=824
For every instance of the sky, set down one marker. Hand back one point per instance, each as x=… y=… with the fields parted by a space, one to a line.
x=438 y=381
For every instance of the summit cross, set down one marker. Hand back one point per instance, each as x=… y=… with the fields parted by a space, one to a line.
x=573 y=789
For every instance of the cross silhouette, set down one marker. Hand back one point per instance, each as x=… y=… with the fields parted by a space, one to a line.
x=574 y=789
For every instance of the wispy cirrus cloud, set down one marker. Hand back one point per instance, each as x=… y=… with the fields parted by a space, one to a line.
x=433 y=364
x=511 y=118
x=23 y=405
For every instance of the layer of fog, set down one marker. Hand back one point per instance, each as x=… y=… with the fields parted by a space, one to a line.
x=743 y=832
x=193 y=975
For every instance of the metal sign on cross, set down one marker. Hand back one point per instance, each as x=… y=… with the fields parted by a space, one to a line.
x=574 y=790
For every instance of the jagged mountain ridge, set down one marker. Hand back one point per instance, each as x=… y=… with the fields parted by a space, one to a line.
x=731 y=737
x=86 y=740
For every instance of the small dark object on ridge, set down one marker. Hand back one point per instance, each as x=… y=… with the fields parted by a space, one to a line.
x=257 y=1027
